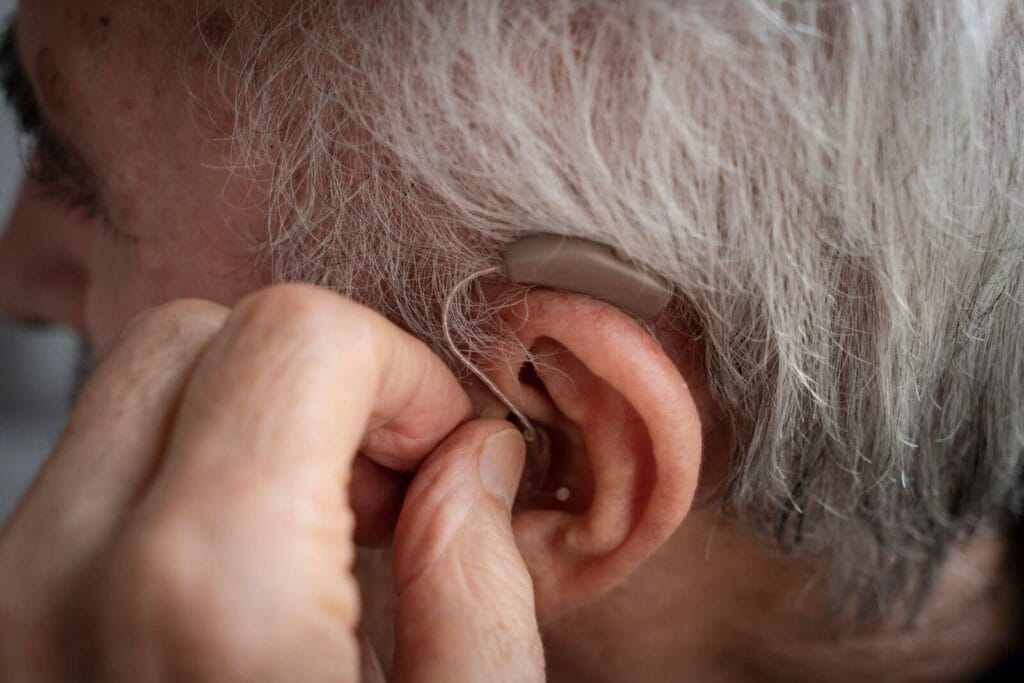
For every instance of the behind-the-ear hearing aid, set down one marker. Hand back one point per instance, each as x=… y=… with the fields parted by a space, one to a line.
x=575 y=265
x=585 y=267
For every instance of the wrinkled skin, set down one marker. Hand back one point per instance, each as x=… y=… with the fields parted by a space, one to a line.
x=193 y=522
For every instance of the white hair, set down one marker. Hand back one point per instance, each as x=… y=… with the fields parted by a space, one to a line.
x=834 y=188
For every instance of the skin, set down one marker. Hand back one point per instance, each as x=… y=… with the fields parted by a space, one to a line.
x=625 y=586
x=207 y=568
x=132 y=535
x=135 y=132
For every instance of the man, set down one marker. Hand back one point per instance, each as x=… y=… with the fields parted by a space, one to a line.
x=807 y=468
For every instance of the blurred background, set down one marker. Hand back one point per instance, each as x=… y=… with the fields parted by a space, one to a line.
x=36 y=366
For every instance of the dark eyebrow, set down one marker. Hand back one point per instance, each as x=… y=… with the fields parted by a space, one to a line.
x=15 y=82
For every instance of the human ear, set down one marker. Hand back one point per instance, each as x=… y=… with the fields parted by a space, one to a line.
x=625 y=442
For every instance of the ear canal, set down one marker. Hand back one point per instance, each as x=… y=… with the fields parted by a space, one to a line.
x=556 y=475
x=535 y=470
x=544 y=484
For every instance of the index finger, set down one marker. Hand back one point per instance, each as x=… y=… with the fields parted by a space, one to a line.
x=300 y=373
x=247 y=527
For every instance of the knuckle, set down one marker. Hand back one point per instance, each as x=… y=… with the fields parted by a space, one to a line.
x=297 y=310
x=176 y=321
x=163 y=333
x=285 y=307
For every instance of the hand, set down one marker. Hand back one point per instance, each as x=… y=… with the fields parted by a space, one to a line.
x=465 y=608
x=194 y=523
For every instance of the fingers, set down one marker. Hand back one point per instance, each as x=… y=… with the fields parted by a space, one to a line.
x=283 y=398
x=110 y=446
x=230 y=438
x=113 y=436
x=249 y=518
x=294 y=382
x=465 y=607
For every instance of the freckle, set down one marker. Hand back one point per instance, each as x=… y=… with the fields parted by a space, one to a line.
x=105 y=21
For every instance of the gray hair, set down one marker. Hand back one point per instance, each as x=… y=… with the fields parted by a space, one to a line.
x=834 y=188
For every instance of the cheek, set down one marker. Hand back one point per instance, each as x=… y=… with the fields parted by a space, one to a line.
x=126 y=279
x=192 y=226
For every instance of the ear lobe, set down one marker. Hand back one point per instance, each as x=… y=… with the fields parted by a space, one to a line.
x=618 y=406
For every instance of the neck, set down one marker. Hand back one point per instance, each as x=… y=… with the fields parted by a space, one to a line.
x=715 y=605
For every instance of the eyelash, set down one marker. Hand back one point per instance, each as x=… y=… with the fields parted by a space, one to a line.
x=58 y=177
x=56 y=169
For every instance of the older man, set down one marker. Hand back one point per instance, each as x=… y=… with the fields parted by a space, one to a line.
x=806 y=468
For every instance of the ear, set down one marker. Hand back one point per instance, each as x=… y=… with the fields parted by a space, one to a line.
x=625 y=440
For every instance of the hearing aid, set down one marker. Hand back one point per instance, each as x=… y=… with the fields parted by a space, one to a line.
x=532 y=491
x=536 y=465
x=571 y=264
x=581 y=266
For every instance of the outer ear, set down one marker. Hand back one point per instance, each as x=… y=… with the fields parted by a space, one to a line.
x=626 y=437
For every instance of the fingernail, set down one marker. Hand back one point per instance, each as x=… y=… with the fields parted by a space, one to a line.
x=501 y=464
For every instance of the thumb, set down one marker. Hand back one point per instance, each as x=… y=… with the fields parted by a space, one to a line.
x=464 y=607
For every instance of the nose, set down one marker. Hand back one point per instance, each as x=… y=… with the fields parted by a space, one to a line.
x=43 y=262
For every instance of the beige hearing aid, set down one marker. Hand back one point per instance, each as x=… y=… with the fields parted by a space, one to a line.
x=574 y=265
x=581 y=266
